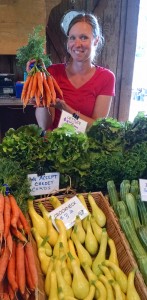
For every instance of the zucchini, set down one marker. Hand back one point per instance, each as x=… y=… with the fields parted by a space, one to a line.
x=124 y=189
x=113 y=195
x=142 y=212
x=142 y=234
x=131 y=235
x=122 y=210
x=134 y=188
x=133 y=211
x=142 y=263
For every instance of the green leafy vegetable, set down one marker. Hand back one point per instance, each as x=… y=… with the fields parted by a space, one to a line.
x=34 y=49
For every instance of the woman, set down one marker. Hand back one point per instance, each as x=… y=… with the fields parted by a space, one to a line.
x=87 y=88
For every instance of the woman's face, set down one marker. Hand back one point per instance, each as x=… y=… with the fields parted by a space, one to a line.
x=81 y=43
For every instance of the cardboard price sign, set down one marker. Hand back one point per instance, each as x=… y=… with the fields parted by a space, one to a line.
x=44 y=184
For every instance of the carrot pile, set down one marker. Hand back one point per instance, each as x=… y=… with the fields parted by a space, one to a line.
x=18 y=272
x=41 y=86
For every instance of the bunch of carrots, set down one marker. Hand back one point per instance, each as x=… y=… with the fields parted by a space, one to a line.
x=18 y=272
x=41 y=86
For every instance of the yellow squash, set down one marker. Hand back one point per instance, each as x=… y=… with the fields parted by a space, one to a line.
x=62 y=237
x=82 y=253
x=53 y=295
x=79 y=230
x=44 y=259
x=96 y=211
x=132 y=293
x=101 y=256
x=54 y=201
x=106 y=271
x=47 y=283
x=91 y=243
x=101 y=289
x=119 y=275
x=37 y=221
x=66 y=288
x=117 y=290
x=41 y=242
x=51 y=232
x=64 y=268
x=105 y=281
x=97 y=230
x=44 y=211
x=91 y=294
x=113 y=252
x=80 y=284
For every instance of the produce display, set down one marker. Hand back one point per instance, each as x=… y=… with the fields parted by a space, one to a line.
x=18 y=272
x=132 y=215
x=109 y=150
x=40 y=86
x=81 y=262
x=111 y=156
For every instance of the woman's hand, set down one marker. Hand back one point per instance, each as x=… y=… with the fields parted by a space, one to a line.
x=60 y=104
x=32 y=61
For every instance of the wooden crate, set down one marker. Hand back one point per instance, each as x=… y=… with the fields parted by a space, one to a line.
x=125 y=256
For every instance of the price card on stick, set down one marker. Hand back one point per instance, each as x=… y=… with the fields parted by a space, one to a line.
x=44 y=184
x=68 y=211
x=79 y=125
x=143 y=189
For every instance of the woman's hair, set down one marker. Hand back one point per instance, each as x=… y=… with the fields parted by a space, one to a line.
x=93 y=22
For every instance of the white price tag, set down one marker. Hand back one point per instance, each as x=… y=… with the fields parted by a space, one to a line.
x=68 y=211
x=79 y=125
x=44 y=184
x=143 y=189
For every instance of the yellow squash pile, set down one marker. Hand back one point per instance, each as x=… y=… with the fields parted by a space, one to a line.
x=80 y=263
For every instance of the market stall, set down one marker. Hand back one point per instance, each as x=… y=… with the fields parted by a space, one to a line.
x=88 y=163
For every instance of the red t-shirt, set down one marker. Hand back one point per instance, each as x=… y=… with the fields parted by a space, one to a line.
x=82 y=99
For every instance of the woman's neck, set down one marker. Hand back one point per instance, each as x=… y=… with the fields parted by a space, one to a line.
x=80 y=67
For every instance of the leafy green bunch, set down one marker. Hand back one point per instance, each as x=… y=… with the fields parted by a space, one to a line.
x=34 y=49
x=25 y=146
x=108 y=133
x=68 y=152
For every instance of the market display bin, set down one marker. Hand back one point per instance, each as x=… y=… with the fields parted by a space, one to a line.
x=125 y=256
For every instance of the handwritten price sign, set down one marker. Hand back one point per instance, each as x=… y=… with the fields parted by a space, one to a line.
x=68 y=211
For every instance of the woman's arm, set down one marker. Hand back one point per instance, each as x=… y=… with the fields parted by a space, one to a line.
x=101 y=109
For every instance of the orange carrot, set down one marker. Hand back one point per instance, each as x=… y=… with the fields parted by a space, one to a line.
x=7 y=213
x=52 y=89
x=4 y=262
x=31 y=263
x=37 y=97
x=14 y=211
x=19 y=224
x=34 y=85
x=10 y=292
x=40 y=82
x=27 y=98
x=29 y=281
x=26 y=226
x=1 y=217
x=9 y=242
x=20 y=267
x=57 y=88
x=47 y=91
x=25 y=87
x=18 y=235
x=11 y=269
x=1 y=288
